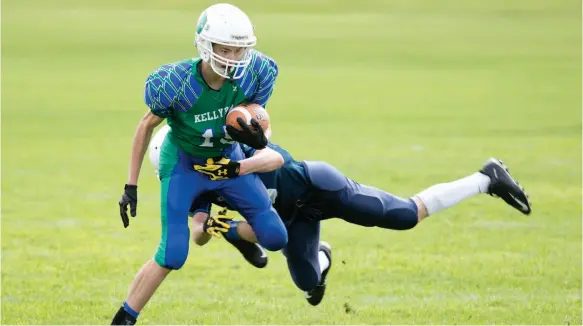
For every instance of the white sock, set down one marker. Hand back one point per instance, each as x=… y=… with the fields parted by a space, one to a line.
x=324 y=262
x=444 y=195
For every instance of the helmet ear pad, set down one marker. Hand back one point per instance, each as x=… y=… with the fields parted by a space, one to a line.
x=204 y=47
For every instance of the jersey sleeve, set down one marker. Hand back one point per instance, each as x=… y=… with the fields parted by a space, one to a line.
x=287 y=158
x=250 y=151
x=159 y=93
x=267 y=71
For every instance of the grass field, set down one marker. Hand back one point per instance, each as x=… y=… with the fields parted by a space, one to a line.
x=397 y=94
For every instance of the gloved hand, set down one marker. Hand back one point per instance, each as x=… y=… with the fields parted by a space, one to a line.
x=253 y=136
x=219 y=168
x=129 y=197
x=218 y=224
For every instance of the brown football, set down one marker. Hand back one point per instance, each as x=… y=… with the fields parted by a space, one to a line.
x=248 y=112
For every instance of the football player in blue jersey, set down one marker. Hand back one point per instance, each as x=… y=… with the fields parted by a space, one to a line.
x=307 y=192
x=194 y=97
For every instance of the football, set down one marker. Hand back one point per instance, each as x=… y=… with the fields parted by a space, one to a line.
x=248 y=112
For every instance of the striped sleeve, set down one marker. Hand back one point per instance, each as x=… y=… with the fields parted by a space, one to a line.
x=159 y=94
x=171 y=87
x=266 y=70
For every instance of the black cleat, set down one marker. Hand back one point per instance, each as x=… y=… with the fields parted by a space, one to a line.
x=316 y=295
x=122 y=317
x=502 y=185
x=252 y=252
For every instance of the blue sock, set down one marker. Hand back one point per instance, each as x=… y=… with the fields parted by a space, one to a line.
x=232 y=234
x=130 y=311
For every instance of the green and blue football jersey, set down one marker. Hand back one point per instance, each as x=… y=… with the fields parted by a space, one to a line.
x=195 y=112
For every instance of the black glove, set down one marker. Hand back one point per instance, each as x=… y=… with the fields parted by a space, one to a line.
x=254 y=136
x=218 y=224
x=219 y=168
x=129 y=197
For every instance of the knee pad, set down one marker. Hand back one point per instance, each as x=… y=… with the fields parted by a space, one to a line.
x=270 y=230
x=404 y=215
x=372 y=207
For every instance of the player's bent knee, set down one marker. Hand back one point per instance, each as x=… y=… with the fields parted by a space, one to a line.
x=174 y=261
x=385 y=211
x=275 y=240
x=404 y=217
x=270 y=231
x=175 y=264
x=407 y=223
x=172 y=254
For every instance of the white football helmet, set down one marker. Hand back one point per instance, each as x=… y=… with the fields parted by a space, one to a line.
x=227 y=25
x=156 y=145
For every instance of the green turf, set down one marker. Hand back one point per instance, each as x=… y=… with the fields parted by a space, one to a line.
x=397 y=94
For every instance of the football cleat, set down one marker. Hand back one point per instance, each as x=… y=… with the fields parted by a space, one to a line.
x=253 y=253
x=315 y=295
x=502 y=185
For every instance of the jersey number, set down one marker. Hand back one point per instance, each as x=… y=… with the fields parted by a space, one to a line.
x=208 y=135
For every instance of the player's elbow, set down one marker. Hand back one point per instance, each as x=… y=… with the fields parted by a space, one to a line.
x=274 y=157
x=149 y=121
x=277 y=160
x=274 y=68
x=269 y=160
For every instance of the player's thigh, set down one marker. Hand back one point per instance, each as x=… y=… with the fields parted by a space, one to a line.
x=301 y=253
x=324 y=176
x=369 y=206
x=248 y=196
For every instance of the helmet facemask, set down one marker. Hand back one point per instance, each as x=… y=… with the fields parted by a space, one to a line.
x=226 y=68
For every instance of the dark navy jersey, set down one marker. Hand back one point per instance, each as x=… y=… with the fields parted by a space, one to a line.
x=286 y=184
x=197 y=114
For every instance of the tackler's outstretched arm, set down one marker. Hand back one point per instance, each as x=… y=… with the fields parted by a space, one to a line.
x=264 y=160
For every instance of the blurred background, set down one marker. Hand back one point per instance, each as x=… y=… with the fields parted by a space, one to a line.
x=398 y=94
